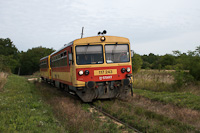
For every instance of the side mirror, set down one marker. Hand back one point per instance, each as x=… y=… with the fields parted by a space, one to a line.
x=132 y=53
x=70 y=56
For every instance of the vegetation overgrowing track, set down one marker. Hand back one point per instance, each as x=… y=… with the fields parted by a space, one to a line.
x=132 y=115
x=106 y=114
x=114 y=118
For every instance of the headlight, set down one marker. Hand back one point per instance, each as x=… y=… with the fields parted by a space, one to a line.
x=103 y=38
x=80 y=72
x=123 y=70
x=128 y=69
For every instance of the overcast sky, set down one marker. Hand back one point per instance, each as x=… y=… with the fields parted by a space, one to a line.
x=153 y=26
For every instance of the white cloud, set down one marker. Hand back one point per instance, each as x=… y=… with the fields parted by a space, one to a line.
x=145 y=23
x=183 y=42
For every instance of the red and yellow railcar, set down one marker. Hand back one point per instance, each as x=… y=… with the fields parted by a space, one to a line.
x=45 y=69
x=96 y=67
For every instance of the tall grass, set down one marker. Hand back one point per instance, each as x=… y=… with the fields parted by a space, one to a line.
x=182 y=99
x=72 y=113
x=154 y=80
x=3 y=77
x=170 y=93
x=184 y=115
x=142 y=119
x=166 y=80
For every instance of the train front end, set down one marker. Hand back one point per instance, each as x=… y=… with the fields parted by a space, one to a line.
x=103 y=67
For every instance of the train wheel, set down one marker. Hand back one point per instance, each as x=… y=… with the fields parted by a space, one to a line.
x=61 y=86
x=66 y=88
x=53 y=83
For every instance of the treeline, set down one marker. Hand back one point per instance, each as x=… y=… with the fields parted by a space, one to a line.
x=178 y=61
x=27 y=63
x=23 y=63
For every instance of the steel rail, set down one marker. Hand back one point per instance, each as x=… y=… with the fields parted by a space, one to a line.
x=100 y=110
x=114 y=118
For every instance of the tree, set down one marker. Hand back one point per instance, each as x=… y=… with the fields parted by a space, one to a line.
x=137 y=63
x=194 y=60
x=9 y=56
x=7 y=47
x=150 y=61
x=167 y=60
x=189 y=61
x=30 y=60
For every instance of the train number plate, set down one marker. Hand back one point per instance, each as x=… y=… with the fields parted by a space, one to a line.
x=105 y=72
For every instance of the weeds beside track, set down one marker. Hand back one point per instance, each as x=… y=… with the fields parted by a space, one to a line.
x=70 y=110
x=22 y=110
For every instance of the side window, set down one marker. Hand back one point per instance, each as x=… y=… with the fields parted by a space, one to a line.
x=56 y=60
x=70 y=57
x=61 y=59
x=65 y=58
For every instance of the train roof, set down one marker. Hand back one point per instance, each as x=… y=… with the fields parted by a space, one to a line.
x=66 y=45
x=94 y=39
x=44 y=57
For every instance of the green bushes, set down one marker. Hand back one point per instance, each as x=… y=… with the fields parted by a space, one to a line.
x=8 y=64
x=182 y=78
x=181 y=61
x=136 y=63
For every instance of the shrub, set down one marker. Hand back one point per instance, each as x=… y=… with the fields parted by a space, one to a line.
x=195 y=70
x=182 y=78
x=137 y=63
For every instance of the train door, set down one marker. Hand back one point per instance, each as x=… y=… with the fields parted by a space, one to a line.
x=70 y=65
x=49 y=67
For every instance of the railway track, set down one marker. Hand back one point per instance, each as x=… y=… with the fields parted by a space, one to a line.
x=74 y=96
x=106 y=114
x=114 y=118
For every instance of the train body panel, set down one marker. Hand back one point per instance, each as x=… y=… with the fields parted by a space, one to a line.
x=94 y=67
x=44 y=73
x=45 y=69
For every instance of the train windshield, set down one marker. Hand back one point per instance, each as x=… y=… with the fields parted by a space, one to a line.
x=117 y=53
x=89 y=54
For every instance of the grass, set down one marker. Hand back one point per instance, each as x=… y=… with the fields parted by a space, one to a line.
x=159 y=86
x=143 y=119
x=38 y=107
x=185 y=115
x=73 y=112
x=22 y=109
x=154 y=91
x=154 y=80
x=3 y=77
x=182 y=99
